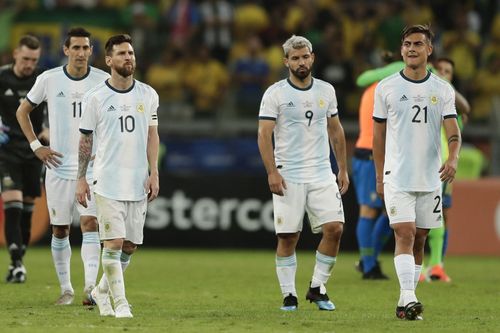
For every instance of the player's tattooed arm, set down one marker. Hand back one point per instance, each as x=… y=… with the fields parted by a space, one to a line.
x=84 y=153
x=453 y=138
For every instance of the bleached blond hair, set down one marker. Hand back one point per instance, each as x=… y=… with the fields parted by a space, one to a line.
x=296 y=42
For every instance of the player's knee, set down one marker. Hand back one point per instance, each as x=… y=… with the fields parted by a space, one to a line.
x=368 y=212
x=60 y=231
x=404 y=232
x=333 y=230
x=129 y=247
x=88 y=223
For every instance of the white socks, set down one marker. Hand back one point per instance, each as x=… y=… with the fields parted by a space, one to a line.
x=418 y=269
x=405 y=269
x=91 y=250
x=322 y=271
x=114 y=274
x=61 y=254
x=124 y=261
x=285 y=269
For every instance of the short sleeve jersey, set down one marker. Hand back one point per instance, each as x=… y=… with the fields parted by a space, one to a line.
x=63 y=94
x=414 y=112
x=120 y=120
x=301 y=144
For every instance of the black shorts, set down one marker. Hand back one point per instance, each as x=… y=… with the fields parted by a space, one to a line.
x=24 y=177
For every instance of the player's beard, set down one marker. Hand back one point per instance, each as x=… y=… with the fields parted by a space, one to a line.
x=301 y=73
x=125 y=71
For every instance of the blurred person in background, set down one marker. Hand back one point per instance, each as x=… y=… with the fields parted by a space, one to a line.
x=250 y=75
x=206 y=80
x=301 y=112
x=372 y=229
x=216 y=26
x=438 y=237
x=20 y=169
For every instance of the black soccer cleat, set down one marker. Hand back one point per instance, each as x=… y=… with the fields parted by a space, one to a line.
x=10 y=276
x=321 y=300
x=375 y=273
x=400 y=312
x=290 y=303
x=358 y=265
x=413 y=311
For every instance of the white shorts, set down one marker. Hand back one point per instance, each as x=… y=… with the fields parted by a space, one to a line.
x=423 y=208
x=61 y=200
x=121 y=219
x=321 y=201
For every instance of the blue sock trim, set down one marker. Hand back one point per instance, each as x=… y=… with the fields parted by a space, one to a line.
x=124 y=257
x=28 y=207
x=111 y=254
x=59 y=244
x=90 y=237
x=286 y=261
x=323 y=258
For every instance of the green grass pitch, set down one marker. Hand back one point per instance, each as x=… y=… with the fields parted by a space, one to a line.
x=237 y=291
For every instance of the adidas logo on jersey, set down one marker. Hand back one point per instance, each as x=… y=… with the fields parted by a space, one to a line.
x=404 y=98
x=61 y=94
x=290 y=104
x=9 y=92
x=111 y=108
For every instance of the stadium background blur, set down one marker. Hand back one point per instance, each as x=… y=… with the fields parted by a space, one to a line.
x=211 y=60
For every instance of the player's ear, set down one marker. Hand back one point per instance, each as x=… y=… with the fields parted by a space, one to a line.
x=108 y=61
x=66 y=50
x=285 y=62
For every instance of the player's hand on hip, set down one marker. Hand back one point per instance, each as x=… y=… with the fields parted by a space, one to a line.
x=82 y=192
x=448 y=170
x=48 y=156
x=380 y=189
x=343 y=182
x=277 y=184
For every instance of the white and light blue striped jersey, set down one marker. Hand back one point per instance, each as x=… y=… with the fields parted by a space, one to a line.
x=301 y=144
x=120 y=120
x=414 y=112
x=63 y=95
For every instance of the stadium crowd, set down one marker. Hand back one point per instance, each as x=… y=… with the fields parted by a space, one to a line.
x=207 y=56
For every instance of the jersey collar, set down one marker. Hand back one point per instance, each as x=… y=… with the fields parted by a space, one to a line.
x=120 y=91
x=75 y=78
x=298 y=88
x=415 y=81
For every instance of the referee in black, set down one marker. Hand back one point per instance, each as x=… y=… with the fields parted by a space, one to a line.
x=20 y=169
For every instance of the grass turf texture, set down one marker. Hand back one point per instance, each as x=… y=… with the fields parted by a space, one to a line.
x=237 y=291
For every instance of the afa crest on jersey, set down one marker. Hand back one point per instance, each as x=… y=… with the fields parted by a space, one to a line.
x=434 y=99
x=321 y=103
x=140 y=108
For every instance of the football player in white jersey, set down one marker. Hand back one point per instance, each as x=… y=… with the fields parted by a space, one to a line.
x=123 y=114
x=63 y=88
x=410 y=107
x=301 y=112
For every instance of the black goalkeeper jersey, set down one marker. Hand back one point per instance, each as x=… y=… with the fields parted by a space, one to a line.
x=12 y=91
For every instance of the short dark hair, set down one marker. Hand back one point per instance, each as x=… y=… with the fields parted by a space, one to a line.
x=76 y=32
x=418 y=28
x=448 y=60
x=116 y=40
x=31 y=42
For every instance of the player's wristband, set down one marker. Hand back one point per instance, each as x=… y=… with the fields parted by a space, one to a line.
x=35 y=144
